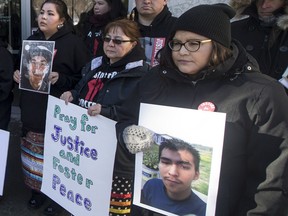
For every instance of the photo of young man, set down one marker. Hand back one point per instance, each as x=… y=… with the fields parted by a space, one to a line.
x=35 y=68
x=178 y=168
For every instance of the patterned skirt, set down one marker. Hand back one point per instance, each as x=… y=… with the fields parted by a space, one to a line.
x=32 y=149
x=121 y=197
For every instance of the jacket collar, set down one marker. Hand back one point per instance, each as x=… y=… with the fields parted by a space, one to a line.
x=164 y=14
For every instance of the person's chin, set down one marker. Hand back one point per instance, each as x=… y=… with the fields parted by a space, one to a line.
x=110 y=53
x=145 y=11
x=171 y=183
x=265 y=15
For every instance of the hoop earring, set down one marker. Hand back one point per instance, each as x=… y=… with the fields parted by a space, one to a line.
x=59 y=26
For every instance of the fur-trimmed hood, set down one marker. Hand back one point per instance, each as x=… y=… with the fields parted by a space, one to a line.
x=240 y=5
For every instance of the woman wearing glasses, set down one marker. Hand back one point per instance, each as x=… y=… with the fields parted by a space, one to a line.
x=202 y=68
x=109 y=80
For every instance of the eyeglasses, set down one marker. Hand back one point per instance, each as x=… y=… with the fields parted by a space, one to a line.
x=115 y=41
x=190 y=45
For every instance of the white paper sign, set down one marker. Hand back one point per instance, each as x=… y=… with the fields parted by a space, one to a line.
x=203 y=130
x=78 y=159
x=284 y=79
x=4 y=143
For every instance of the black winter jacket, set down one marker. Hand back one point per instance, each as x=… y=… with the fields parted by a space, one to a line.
x=161 y=26
x=256 y=127
x=70 y=55
x=6 y=85
x=267 y=43
x=117 y=89
x=114 y=92
x=92 y=34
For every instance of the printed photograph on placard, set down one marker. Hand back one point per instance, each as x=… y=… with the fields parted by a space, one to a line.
x=178 y=171
x=173 y=168
x=36 y=65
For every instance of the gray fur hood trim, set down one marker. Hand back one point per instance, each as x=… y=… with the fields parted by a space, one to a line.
x=240 y=5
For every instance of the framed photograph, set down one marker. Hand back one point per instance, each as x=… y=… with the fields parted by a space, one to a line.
x=36 y=65
x=179 y=173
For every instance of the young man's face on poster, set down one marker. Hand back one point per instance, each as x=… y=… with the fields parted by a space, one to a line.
x=38 y=67
x=177 y=170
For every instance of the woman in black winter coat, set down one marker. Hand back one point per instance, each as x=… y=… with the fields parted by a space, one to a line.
x=202 y=68
x=92 y=23
x=107 y=82
x=70 y=55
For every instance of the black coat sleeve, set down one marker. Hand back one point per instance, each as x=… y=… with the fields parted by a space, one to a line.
x=6 y=86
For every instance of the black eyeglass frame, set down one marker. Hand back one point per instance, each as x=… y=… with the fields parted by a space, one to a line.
x=199 y=42
x=115 y=40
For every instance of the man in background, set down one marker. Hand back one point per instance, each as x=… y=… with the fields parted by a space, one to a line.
x=155 y=22
x=264 y=33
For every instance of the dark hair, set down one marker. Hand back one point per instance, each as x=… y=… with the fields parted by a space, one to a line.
x=62 y=10
x=129 y=27
x=174 y=144
x=219 y=55
x=40 y=51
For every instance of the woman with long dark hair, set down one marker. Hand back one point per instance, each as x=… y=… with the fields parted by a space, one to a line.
x=70 y=55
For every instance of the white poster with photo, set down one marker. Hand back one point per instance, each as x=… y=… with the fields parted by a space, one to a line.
x=79 y=153
x=203 y=131
x=4 y=143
